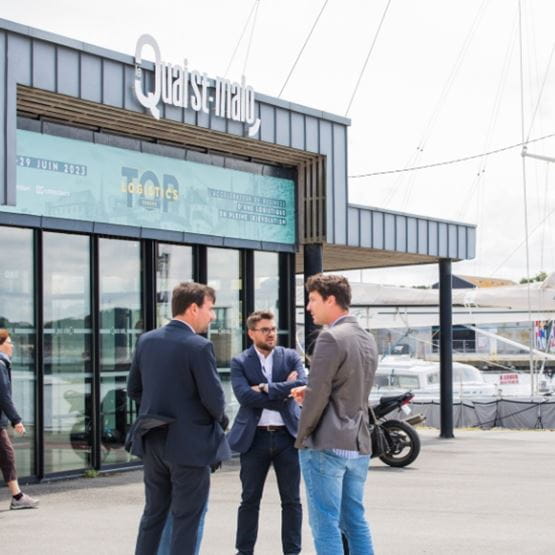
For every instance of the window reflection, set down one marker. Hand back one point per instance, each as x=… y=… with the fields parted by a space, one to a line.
x=121 y=323
x=226 y=332
x=174 y=264
x=67 y=353
x=266 y=282
x=17 y=314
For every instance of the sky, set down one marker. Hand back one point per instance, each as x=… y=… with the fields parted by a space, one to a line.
x=442 y=83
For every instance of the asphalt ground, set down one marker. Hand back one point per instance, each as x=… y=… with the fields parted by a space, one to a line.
x=483 y=492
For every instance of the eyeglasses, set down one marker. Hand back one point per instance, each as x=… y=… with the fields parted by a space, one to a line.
x=266 y=331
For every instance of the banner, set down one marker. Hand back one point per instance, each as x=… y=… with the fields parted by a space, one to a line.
x=79 y=180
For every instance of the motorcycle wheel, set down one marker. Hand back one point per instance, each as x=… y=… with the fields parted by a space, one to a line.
x=404 y=442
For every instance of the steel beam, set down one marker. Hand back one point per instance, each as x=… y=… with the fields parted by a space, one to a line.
x=445 y=348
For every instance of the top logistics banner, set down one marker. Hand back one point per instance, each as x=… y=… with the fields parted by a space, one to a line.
x=79 y=180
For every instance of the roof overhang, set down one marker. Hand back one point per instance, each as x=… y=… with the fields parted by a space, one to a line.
x=342 y=257
x=58 y=107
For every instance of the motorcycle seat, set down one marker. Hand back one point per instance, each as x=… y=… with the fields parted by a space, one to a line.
x=390 y=399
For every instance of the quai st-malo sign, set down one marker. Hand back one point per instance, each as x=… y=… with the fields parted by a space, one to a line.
x=176 y=85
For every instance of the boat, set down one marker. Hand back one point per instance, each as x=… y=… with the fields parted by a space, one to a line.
x=399 y=373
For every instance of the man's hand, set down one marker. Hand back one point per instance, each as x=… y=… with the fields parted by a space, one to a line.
x=292 y=376
x=224 y=422
x=260 y=388
x=19 y=428
x=298 y=394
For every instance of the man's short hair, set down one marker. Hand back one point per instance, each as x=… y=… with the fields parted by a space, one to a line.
x=255 y=317
x=4 y=334
x=189 y=292
x=331 y=284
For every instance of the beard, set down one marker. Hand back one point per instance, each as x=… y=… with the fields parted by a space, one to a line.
x=264 y=346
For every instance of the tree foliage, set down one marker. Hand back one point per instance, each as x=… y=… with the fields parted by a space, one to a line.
x=540 y=276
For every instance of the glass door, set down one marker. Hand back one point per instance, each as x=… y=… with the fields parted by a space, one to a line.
x=67 y=352
x=17 y=314
x=226 y=332
x=120 y=325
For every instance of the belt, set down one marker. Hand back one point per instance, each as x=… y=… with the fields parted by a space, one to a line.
x=271 y=428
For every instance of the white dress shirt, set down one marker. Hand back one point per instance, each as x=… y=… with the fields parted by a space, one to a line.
x=268 y=417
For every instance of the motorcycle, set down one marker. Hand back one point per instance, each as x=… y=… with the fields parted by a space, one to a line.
x=402 y=443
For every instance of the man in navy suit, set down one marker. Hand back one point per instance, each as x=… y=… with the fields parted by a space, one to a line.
x=265 y=429
x=179 y=431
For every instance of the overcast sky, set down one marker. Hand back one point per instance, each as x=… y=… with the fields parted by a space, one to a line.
x=443 y=76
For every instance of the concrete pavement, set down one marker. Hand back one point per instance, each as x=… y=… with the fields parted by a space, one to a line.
x=485 y=492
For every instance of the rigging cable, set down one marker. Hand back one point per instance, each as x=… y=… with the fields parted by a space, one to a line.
x=250 y=38
x=542 y=88
x=465 y=205
x=458 y=351
x=434 y=118
x=525 y=195
x=367 y=58
x=478 y=187
x=510 y=255
x=547 y=214
x=546 y=208
x=453 y=161
x=535 y=84
x=413 y=158
x=302 y=48
x=240 y=38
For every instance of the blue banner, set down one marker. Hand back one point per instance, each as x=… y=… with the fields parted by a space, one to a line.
x=79 y=180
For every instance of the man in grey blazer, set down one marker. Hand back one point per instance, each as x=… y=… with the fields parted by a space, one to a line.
x=333 y=437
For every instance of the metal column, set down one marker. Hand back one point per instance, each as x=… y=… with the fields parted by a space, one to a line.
x=313 y=264
x=445 y=348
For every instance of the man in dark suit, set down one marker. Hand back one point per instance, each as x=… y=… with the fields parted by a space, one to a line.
x=179 y=431
x=265 y=429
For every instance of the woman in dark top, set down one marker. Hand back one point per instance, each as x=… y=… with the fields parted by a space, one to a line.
x=9 y=414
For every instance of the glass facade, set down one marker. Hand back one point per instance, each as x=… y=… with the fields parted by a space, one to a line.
x=17 y=314
x=76 y=304
x=91 y=251
x=226 y=331
x=121 y=321
x=67 y=352
x=266 y=282
x=174 y=264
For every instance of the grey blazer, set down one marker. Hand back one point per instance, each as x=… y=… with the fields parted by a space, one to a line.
x=335 y=408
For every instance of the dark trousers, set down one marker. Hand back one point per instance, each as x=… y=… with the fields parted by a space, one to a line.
x=269 y=448
x=169 y=486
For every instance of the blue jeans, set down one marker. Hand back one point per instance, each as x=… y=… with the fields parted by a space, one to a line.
x=166 y=539
x=335 y=495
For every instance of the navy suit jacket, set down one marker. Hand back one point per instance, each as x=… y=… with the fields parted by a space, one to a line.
x=246 y=371
x=173 y=377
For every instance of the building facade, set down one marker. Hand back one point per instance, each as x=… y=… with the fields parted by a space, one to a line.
x=121 y=177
